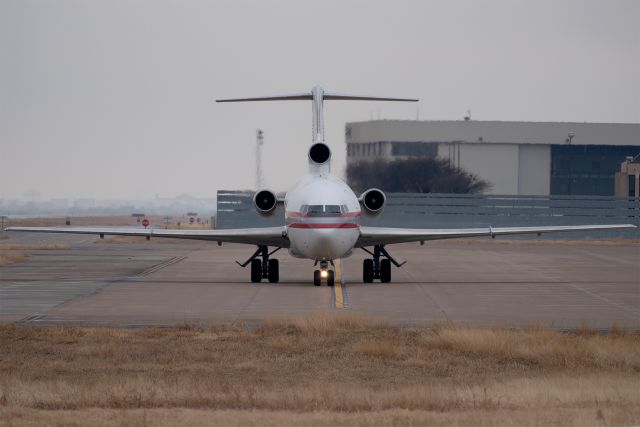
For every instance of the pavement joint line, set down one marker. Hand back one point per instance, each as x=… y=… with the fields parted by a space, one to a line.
x=604 y=299
x=576 y=286
x=422 y=289
x=258 y=288
x=170 y=261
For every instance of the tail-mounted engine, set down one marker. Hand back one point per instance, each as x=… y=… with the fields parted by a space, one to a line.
x=319 y=153
x=265 y=202
x=372 y=201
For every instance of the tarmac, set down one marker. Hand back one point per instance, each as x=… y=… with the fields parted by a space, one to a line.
x=481 y=282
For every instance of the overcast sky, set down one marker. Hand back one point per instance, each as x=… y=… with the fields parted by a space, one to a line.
x=115 y=99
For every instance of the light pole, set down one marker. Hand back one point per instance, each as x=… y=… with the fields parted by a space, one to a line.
x=570 y=136
x=259 y=143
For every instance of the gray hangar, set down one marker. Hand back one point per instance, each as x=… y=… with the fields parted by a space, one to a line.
x=517 y=158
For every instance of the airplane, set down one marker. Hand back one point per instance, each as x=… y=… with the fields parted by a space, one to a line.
x=322 y=216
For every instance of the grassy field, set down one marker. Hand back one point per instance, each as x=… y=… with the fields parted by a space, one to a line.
x=79 y=221
x=13 y=252
x=138 y=240
x=33 y=246
x=318 y=371
x=96 y=221
x=9 y=257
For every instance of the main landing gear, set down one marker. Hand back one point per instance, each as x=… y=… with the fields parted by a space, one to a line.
x=323 y=273
x=263 y=268
x=376 y=268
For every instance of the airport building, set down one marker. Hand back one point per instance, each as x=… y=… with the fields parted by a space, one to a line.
x=628 y=179
x=517 y=158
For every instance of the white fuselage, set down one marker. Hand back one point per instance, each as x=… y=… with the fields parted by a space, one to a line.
x=322 y=216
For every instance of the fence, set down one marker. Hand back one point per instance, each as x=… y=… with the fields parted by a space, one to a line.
x=410 y=210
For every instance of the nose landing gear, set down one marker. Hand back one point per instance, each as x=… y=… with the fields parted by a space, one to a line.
x=376 y=268
x=264 y=268
x=323 y=273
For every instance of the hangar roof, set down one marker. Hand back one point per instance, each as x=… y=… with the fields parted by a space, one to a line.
x=493 y=132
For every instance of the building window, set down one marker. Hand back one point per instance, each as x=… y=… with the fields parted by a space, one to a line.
x=586 y=169
x=414 y=149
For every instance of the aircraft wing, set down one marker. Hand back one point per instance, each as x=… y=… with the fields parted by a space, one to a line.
x=370 y=236
x=270 y=236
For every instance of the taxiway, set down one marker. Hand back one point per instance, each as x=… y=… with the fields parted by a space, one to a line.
x=482 y=282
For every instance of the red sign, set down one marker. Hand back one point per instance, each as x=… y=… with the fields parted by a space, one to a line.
x=191 y=220
x=145 y=222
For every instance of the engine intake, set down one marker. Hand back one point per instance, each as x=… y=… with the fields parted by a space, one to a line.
x=265 y=202
x=319 y=153
x=373 y=201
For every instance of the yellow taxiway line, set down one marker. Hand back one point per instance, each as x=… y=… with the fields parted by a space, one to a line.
x=337 y=286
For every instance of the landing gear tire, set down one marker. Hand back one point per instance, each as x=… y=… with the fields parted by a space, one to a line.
x=385 y=271
x=256 y=271
x=274 y=271
x=367 y=271
x=317 y=280
x=330 y=278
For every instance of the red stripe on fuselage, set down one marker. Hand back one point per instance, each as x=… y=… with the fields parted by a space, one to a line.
x=294 y=214
x=305 y=225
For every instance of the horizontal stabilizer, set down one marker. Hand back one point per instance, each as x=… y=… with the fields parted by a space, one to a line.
x=309 y=96
x=335 y=96
x=294 y=97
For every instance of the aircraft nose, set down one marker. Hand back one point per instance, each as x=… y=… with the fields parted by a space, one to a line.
x=332 y=243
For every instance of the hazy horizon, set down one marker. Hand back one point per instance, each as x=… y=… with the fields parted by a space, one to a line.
x=115 y=100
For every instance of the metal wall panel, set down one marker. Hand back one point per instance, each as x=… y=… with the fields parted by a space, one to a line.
x=497 y=163
x=534 y=170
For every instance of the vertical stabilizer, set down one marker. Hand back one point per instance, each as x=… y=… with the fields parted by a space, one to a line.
x=317 y=127
x=317 y=97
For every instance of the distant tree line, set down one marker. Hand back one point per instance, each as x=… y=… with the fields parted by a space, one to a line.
x=414 y=175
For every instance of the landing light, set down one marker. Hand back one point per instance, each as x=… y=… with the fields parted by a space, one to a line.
x=324 y=273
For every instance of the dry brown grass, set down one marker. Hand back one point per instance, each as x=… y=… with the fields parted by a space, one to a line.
x=319 y=370
x=33 y=246
x=138 y=240
x=79 y=221
x=317 y=324
x=187 y=226
x=10 y=253
x=7 y=258
x=96 y=221
x=262 y=418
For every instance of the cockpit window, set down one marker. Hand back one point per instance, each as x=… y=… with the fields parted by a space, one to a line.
x=314 y=210
x=323 y=210
x=332 y=209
